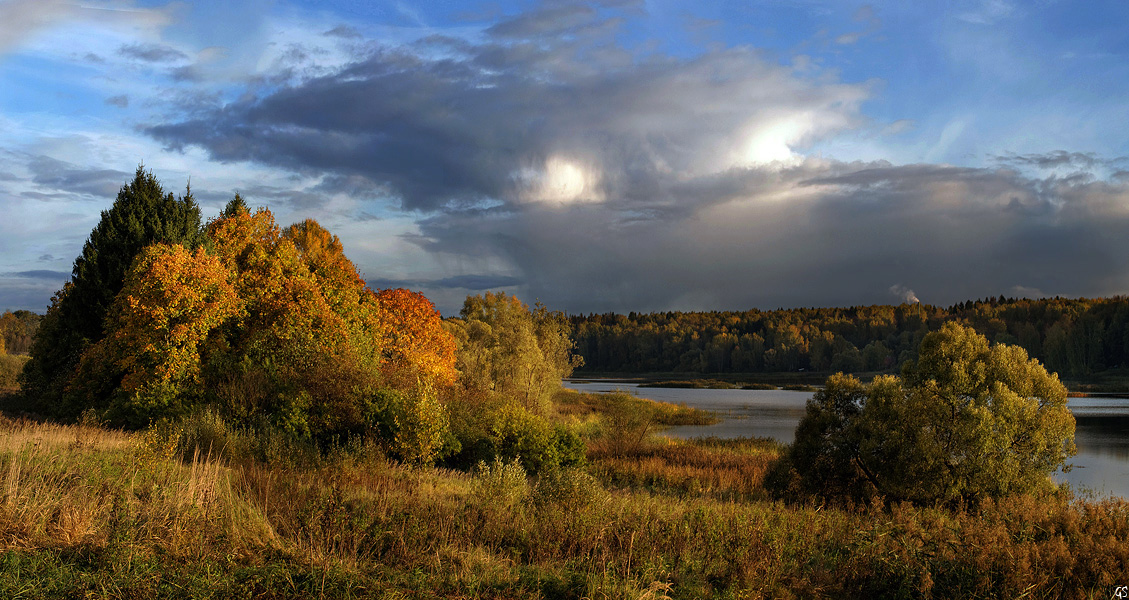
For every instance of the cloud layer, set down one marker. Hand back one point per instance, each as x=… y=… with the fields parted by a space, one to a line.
x=561 y=154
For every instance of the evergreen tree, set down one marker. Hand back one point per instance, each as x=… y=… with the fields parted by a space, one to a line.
x=143 y=214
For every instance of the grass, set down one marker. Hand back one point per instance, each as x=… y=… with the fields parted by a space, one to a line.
x=89 y=512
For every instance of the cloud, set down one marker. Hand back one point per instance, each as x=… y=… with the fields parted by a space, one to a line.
x=153 y=53
x=20 y=20
x=121 y=101
x=54 y=176
x=528 y=115
x=44 y=274
x=1060 y=159
x=821 y=233
x=864 y=14
x=344 y=31
x=988 y=12
x=474 y=283
x=602 y=178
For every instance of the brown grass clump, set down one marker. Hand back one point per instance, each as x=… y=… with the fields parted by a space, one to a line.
x=721 y=469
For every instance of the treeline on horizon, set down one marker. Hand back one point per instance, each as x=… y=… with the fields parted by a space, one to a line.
x=1075 y=337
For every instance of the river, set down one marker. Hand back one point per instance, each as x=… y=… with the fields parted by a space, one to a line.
x=1102 y=434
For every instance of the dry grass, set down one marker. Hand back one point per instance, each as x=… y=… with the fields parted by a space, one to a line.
x=720 y=469
x=86 y=512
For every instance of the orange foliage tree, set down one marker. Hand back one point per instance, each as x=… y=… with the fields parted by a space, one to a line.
x=315 y=340
x=416 y=345
x=270 y=324
x=158 y=325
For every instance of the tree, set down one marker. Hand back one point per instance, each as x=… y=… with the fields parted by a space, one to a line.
x=143 y=214
x=508 y=349
x=150 y=361
x=18 y=330
x=416 y=346
x=312 y=343
x=966 y=420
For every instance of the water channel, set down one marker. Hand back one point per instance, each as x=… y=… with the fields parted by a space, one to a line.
x=1102 y=434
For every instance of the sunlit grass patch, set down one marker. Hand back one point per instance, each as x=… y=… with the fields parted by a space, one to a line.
x=710 y=467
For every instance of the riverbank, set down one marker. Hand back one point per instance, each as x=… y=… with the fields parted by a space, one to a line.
x=1114 y=384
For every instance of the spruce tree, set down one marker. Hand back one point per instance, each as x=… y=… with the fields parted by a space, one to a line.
x=142 y=214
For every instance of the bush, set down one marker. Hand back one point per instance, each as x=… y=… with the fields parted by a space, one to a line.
x=518 y=434
x=966 y=421
x=568 y=489
x=500 y=484
x=206 y=433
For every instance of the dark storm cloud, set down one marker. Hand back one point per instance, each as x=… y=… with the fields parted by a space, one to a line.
x=603 y=179
x=823 y=233
x=448 y=123
x=474 y=283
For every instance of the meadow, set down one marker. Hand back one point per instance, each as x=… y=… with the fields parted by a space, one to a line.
x=202 y=509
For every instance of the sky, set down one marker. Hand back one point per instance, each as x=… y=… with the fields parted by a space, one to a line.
x=605 y=156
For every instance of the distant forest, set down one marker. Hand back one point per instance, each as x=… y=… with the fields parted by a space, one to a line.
x=1075 y=337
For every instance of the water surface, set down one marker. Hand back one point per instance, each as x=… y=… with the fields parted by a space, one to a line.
x=1102 y=433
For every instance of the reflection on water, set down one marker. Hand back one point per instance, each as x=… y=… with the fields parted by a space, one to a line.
x=1102 y=434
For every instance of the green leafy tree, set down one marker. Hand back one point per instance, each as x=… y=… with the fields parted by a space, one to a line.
x=507 y=349
x=966 y=420
x=143 y=214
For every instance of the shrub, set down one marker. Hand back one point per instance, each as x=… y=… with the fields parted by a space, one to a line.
x=500 y=484
x=568 y=489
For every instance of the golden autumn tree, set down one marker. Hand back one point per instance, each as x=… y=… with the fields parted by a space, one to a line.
x=312 y=343
x=271 y=327
x=150 y=360
x=416 y=346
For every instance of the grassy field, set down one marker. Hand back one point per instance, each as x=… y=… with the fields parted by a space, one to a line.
x=200 y=510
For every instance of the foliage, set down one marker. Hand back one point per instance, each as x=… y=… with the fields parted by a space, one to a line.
x=501 y=484
x=310 y=349
x=568 y=488
x=508 y=350
x=10 y=367
x=421 y=428
x=172 y=300
x=1076 y=337
x=17 y=330
x=966 y=421
x=143 y=214
x=86 y=514
x=272 y=329
x=416 y=346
